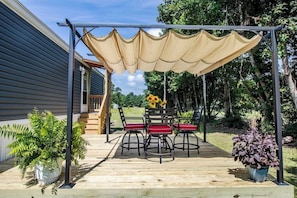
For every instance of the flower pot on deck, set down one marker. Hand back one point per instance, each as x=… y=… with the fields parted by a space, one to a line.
x=258 y=175
x=45 y=175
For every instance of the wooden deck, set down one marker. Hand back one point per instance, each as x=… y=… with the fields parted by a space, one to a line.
x=107 y=173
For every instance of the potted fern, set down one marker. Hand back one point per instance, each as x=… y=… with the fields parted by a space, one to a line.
x=257 y=151
x=42 y=145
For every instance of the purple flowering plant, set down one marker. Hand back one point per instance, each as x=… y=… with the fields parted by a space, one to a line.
x=256 y=149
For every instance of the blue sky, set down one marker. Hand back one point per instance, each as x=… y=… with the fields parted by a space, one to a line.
x=102 y=11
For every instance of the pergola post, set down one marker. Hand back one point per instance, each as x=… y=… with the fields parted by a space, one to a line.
x=108 y=104
x=277 y=107
x=204 y=108
x=71 y=62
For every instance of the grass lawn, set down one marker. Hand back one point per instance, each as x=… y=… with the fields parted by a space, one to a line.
x=129 y=112
x=222 y=138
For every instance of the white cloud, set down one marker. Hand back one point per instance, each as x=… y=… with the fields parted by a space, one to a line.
x=154 y=31
x=130 y=77
x=134 y=80
x=139 y=78
x=131 y=81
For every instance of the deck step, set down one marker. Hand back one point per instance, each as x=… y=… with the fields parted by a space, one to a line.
x=91 y=131
x=91 y=121
x=92 y=126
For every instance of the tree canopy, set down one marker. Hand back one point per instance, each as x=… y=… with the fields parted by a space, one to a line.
x=245 y=84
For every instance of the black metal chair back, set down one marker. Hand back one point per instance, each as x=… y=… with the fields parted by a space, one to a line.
x=197 y=114
x=132 y=128
x=186 y=126
x=159 y=116
x=122 y=116
x=159 y=122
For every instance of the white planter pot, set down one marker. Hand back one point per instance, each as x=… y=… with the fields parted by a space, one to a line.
x=45 y=176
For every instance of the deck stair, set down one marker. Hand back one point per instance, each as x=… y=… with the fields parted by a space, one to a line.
x=91 y=120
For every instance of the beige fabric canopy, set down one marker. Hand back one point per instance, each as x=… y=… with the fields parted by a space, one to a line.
x=198 y=54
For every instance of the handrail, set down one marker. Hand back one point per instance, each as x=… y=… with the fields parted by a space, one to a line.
x=95 y=102
x=102 y=115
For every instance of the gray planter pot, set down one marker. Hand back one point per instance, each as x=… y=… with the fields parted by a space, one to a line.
x=258 y=175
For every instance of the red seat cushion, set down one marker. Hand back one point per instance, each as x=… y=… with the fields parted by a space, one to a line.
x=159 y=129
x=130 y=127
x=185 y=127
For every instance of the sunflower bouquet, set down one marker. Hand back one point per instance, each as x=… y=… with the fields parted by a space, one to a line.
x=155 y=101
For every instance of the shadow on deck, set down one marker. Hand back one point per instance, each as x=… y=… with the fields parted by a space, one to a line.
x=107 y=173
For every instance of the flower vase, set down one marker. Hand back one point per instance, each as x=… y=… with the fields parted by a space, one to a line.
x=258 y=175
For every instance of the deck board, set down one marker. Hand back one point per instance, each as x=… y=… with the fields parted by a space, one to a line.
x=107 y=173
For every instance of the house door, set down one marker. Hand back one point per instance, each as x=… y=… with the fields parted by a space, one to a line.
x=84 y=90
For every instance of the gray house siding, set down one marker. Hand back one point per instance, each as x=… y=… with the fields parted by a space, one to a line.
x=97 y=83
x=33 y=70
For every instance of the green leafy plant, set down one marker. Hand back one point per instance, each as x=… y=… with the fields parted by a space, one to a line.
x=44 y=141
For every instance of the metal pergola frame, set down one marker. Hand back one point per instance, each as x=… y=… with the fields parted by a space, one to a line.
x=270 y=33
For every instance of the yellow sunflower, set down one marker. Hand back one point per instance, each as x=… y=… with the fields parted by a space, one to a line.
x=163 y=103
x=152 y=105
x=150 y=97
x=156 y=99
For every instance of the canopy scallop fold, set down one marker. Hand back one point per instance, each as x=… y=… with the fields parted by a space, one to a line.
x=198 y=54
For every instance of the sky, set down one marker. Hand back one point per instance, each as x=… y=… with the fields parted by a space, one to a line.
x=100 y=11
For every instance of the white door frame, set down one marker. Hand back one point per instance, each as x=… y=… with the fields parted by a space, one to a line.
x=84 y=90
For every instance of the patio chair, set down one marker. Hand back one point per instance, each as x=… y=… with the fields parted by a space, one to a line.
x=132 y=128
x=185 y=127
x=159 y=124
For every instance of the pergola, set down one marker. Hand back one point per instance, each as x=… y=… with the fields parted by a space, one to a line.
x=119 y=47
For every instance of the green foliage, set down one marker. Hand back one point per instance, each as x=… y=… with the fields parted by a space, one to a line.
x=290 y=130
x=186 y=117
x=234 y=121
x=117 y=96
x=188 y=114
x=190 y=12
x=155 y=82
x=44 y=141
x=129 y=100
x=254 y=92
x=244 y=84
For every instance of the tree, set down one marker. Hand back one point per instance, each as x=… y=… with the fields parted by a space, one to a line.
x=202 y=12
x=247 y=81
x=273 y=13
x=284 y=12
x=129 y=100
x=117 y=96
x=187 y=88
